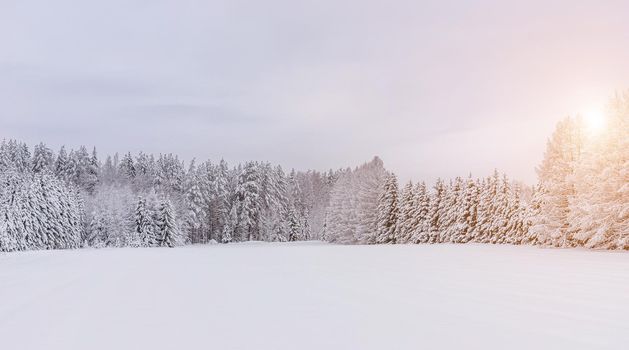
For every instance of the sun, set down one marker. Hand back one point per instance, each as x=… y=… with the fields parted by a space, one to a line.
x=595 y=121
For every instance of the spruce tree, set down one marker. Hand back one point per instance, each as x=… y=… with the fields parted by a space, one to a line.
x=294 y=227
x=169 y=234
x=61 y=163
x=388 y=212
x=42 y=158
x=127 y=167
x=563 y=152
x=437 y=211
x=229 y=230
x=470 y=218
x=421 y=214
x=145 y=235
x=368 y=180
x=406 y=220
x=599 y=210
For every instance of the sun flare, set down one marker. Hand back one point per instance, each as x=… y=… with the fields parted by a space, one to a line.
x=595 y=121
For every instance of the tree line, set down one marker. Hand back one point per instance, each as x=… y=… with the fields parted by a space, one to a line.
x=71 y=199
x=367 y=207
x=581 y=199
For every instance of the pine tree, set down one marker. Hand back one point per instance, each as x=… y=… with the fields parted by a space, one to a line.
x=42 y=158
x=248 y=203
x=406 y=221
x=422 y=220
x=38 y=212
x=516 y=218
x=144 y=226
x=169 y=234
x=485 y=229
x=500 y=220
x=110 y=214
x=224 y=189
x=368 y=180
x=109 y=172
x=555 y=174
x=599 y=210
x=230 y=226
x=306 y=231
x=12 y=235
x=437 y=211
x=341 y=212
x=61 y=163
x=294 y=227
x=127 y=167
x=91 y=173
x=469 y=220
x=451 y=230
x=388 y=211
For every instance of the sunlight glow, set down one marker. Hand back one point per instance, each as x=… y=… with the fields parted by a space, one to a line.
x=595 y=121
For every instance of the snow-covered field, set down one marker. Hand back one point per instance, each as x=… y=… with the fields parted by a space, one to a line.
x=315 y=296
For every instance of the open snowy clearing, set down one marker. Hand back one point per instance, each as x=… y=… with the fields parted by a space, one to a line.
x=315 y=296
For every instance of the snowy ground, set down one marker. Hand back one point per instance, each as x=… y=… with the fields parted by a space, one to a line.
x=315 y=296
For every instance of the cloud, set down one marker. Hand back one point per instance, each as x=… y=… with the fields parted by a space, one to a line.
x=309 y=84
x=196 y=114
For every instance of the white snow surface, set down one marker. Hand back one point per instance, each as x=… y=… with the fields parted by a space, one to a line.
x=315 y=296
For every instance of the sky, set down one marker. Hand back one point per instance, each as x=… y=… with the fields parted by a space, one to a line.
x=435 y=88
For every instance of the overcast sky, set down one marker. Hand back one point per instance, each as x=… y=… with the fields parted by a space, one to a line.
x=435 y=88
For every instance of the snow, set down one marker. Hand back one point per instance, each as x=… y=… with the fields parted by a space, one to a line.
x=315 y=296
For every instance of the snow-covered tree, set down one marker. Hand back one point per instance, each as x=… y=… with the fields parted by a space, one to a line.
x=42 y=158
x=563 y=152
x=341 y=212
x=15 y=156
x=421 y=225
x=145 y=234
x=168 y=230
x=599 y=210
x=387 y=211
x=467 y=214
x=437 y=211
x=248 y=203
x=37 y=211
x=516 y=216
x=229 y=230
x=91 y=173
x=352 y=213
x=454 y=208
x=110 y=216
x=294 y=227
x=127 y=167
x=369 y=179
x=486 y=210
x=61 y=163
x=407 y=212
